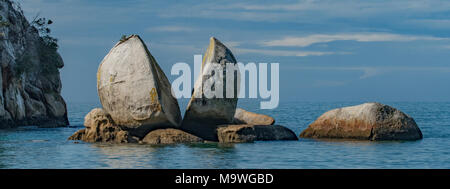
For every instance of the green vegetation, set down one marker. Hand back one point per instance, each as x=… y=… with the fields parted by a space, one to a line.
x=123 y=38
x=48 y=58
x=42 y=25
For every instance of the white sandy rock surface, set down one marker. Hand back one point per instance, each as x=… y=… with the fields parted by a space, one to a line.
x=134 y=90
x=204 y=114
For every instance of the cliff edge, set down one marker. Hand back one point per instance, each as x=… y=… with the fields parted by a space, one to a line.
x=29 y=73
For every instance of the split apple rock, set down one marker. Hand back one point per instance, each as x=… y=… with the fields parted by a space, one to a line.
x=203 y=113
x=134 y=90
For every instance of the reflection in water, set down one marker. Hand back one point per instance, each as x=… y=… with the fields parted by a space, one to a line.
x=2 y=154
x=125 y=156
x=208 y=155
x=214 y=155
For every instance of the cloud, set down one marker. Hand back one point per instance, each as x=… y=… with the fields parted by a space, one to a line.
x=282 y=52
x=310 y=11
x=368 y=72
x=360 y=37
x=232 y=44
x=170 y=29
x=431 y=23
x=327 y=83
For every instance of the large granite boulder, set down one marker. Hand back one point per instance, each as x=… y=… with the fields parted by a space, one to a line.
x=245 y=117
x=101 y=128
x=369 y=121
x=169 y=136
x=250 y=133
x=134 y=90
x=204 y=113
x=29 y=73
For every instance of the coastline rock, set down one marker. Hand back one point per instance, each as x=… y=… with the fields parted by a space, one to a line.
x=169 y=136
x=250 y=133
x=29 y=74
x=101 y=128
x=369 y=121
x=250 y=118
x=204 y=114
x=134 y=90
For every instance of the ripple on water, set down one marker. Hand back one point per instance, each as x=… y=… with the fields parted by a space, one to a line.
x=32 y=147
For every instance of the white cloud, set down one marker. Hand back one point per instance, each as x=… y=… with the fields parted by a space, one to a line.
x=360 y=37
x=282 y=52
x=309 y=11
x=368 y=72
x=431 y=23
x=232 y=44
x=170 y=29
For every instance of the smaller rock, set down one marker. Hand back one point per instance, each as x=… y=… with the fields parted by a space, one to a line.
x=101 y=128
x=169 y=136
x=250 y=133
x=249 y=118
x=369 y=121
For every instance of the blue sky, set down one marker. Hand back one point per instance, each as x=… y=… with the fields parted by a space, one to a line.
x=328 y=50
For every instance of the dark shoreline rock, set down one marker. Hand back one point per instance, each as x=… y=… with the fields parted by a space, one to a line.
x=369 y=121
x=29 y=75
x=250 y=133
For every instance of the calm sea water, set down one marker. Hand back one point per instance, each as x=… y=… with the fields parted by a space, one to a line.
x=31 y=147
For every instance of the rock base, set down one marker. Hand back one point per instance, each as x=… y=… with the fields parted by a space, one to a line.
x=250 y=133
x=169 y=136
x=101 y=128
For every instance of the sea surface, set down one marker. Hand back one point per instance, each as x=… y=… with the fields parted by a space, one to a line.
x=32 y=147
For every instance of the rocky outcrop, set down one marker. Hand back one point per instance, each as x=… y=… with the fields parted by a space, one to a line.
x=245 y=117
x=370 y=121
x=250 y=133
x=101 y=128
x=134 y=90
x=205 y=112
x=139 y=108
x=169 y=136
x=30 y=83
